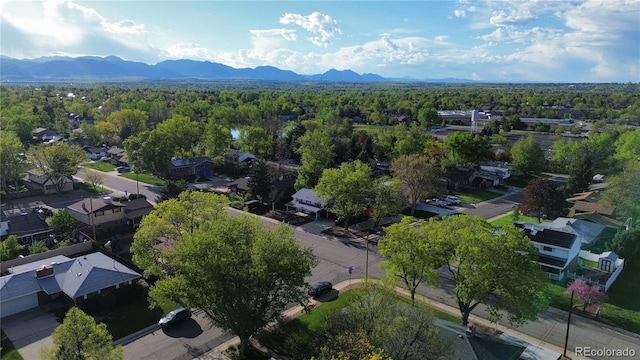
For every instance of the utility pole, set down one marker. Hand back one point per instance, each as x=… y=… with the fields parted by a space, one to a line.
x=566 y=338
x=366 y=268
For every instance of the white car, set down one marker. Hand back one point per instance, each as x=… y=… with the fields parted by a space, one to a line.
x=438 y=202
x=453 y=200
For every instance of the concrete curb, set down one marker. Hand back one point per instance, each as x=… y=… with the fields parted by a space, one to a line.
x=136 y=335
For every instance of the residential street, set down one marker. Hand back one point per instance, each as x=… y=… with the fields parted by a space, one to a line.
x=336 y=255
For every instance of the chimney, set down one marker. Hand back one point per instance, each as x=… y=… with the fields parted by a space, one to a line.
x=44 y=272
x=107 y=199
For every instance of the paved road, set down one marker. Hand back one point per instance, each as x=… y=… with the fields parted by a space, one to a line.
x=335 y=257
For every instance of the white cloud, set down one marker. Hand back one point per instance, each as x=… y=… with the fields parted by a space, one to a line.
x=460 y=13
x=511 y=18
x=64 y=26
x=315 y=23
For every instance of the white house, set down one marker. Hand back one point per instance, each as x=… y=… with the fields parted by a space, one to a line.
x=306 y=201
x=33 y=284
x=557 y=250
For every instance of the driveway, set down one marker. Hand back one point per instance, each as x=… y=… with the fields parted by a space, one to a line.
x=29 y=331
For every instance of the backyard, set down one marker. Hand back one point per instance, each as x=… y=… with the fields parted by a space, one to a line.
x=508 y=219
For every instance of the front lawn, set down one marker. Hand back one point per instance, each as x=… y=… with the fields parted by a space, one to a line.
x=89 y=188
x=302 y=329
x=100 y=166
x=129 y=318
x=471 y=196
x=144 y=178
x=622 y=308
x=7 y=351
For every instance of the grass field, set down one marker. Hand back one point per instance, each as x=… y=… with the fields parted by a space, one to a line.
x=100 y=166
x=370 y=129
x=89 y=188
x=144 y=178
x=622 y=308
x=470 y=196
x=7 y=351
x=303 y=328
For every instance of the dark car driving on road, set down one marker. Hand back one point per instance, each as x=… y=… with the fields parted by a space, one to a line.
x=320 y=288
x=174 y=317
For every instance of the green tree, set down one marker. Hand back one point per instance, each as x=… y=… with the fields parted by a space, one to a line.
x=255 y=140
x=580 y=173
x=260 y=184
x=11 y=165
x=216 y=139
x=627 y=146
x=239 y=274
x=168 y=222
x=468 y=246
x=409 y=254
x=403 y=331
x=128 y=122
x=542 y=198
x=62 y=224
x=80 y=338
x=94 y=178
x=420 y=175
x=58 y=161
x=627 y=244
x=347 y=189
x=464 y=148
x=316 y=151
x=172 y=189
x=387 y=199
x=38 y=247
x=527 y=156
x=623 y=191
x=10 y=248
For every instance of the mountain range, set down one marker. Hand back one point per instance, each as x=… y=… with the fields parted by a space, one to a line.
x=112 y=68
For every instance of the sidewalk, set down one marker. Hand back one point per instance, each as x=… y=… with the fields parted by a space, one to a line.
x=536 y=349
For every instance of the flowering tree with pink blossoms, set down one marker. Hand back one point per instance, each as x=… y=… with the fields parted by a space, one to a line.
x=588 y=294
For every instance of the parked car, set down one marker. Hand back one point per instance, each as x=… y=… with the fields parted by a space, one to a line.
x=123 y=169
x=105 y=158
x=320 y=288
x=453 y=200
x=438 y=202
x=174 y=317
x=515 y=205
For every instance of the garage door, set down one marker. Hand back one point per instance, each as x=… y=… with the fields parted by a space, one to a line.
x=17 y=305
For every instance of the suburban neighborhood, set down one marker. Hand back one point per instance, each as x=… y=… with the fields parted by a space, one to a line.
x=163 y=233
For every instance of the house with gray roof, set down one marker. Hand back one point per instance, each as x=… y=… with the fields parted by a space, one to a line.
x=586 y=231
x=33 y=284
x=28 y=226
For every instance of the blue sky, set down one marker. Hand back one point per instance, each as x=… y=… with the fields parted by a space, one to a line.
x=548 y=41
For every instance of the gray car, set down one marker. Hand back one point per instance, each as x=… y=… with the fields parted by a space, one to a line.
x=174 y=317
